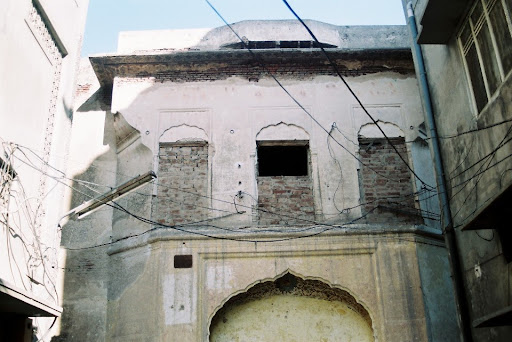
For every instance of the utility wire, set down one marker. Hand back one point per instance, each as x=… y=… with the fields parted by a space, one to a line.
x=474 y=130
x=484 y=158
x=262 y=64
x=270 y=212
x=353 y=93
x=287 y=215
x=480 y=173
x=279 y=212
x=180 y=228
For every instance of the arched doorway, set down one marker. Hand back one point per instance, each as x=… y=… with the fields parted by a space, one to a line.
x=292 y=309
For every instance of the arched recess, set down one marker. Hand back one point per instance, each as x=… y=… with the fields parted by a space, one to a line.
x=287 y=176
x=183 y=133
x=385 y=180
x=282 y=132
x=372 y=131
x=291 y=308
x=183 y=164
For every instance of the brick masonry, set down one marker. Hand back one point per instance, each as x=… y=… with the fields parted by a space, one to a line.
x=385 y=182
x=291 y=197
x=183 y=182
x=203 y=66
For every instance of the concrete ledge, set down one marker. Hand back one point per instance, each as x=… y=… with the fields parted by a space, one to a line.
x=18 y=301
x=275 y=234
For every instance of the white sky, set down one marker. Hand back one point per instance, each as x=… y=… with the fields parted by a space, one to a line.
x=106 y=18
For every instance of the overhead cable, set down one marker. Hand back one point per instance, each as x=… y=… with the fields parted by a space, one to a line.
x=256 y=57
x=354 y=94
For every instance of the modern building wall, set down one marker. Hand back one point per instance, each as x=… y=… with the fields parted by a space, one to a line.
x=475 y=143
x=215 y=233
x=40 y=44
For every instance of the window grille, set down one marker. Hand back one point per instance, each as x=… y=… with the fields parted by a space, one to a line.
x=486 y=44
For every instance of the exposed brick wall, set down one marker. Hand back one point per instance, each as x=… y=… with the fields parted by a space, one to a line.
x=390 y=191
x=197 y=66
x=254 y=71
x=289 y=196
x=183 y=182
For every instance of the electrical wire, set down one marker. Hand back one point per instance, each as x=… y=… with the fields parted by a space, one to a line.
x=475 y=130
x=181 y=227
x=354 y=94
x=24 y=207
x=338 y=164
x=502 y=144
x=116 y=205
x=262 y=64
x=464 y=159
x=290 y=215
x=195 y=232
x=479 y=174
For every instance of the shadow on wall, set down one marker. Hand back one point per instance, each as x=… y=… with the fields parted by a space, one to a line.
x=87 y=270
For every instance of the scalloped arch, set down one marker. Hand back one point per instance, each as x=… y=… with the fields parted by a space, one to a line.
x=290 y=283
x=371 y=130
x=183 y=133
x=282 y=131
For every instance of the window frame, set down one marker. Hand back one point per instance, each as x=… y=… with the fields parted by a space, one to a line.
x=285 y=143
x=472 y=40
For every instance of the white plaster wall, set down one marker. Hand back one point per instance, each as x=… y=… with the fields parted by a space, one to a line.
x=233 y=112
x=351 y=37
x=292 y=318
x=149 y=299
x=28 y=74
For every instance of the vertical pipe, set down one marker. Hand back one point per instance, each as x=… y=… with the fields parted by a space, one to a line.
x=448 y=230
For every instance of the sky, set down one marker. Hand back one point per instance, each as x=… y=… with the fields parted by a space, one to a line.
x=106 y=18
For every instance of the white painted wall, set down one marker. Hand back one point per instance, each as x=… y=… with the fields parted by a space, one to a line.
x=232 y=113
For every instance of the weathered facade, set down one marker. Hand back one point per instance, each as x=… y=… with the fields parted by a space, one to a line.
x=40 y=43
x=269 y=220
x=468 y=59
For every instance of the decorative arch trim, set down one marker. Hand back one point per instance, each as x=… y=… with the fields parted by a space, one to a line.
x=183 y=133
x=290 y=283
x=371 y=130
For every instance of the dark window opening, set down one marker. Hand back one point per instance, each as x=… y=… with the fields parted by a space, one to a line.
x=282 y=161
x=283 y=44
x=183 y=261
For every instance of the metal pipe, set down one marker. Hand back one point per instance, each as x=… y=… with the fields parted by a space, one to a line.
x=447 y=225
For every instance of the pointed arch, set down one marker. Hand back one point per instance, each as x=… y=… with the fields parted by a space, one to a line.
x=310 y=301
x=183 y=133
x=282 y=131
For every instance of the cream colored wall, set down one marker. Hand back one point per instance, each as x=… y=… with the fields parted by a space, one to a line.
x=292 y=318
x=147 y=299
x=36 y=95
x=233 y=112
x=150 y=300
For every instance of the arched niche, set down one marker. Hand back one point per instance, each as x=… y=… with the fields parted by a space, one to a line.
x=372 y=131
x=292 y=309
x=282 y=131
x=183 y=133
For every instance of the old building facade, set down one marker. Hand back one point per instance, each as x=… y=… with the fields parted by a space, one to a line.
x=280 y=211
x=40 y=43
x=466 y=49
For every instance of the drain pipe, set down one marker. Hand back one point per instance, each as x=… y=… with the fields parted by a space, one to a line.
x=448 y=230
